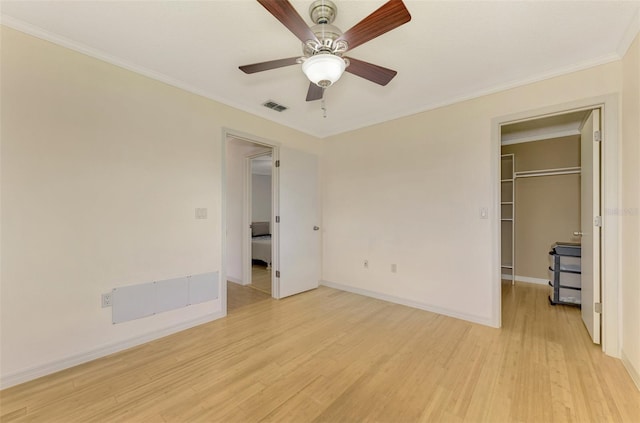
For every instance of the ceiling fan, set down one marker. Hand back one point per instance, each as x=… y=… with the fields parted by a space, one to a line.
x=323 y=45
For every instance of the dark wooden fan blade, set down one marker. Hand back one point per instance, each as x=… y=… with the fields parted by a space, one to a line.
x=272 y=64
x=389 y=16
x=373 y=73
x=283 y=11
x=315 y=92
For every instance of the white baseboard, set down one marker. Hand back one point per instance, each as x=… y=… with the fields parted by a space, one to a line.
x=234 y=280
x=527 y=279
x=409 y=303
x=633 y=372
x=13 y=379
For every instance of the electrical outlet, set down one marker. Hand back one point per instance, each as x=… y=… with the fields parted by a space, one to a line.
x=366 y=264
x=106 y=300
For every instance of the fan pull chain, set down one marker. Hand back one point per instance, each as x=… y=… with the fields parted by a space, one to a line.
x=323 y=106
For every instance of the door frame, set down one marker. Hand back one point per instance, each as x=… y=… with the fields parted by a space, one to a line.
x=247 y=220
x=227 y=135
x=609 y=160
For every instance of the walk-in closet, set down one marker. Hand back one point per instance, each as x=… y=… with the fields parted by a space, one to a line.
x=542 y=203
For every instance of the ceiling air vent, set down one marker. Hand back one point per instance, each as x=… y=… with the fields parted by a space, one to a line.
x=275 y=106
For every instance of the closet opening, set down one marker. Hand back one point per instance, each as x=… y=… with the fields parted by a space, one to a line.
x=550 y=190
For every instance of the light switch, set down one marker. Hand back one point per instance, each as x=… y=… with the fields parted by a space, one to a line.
x=484 y=213
x=201 y=213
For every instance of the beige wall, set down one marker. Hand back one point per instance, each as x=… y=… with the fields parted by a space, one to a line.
x=629 y=212
x=409 y=191
x=546 y=154
x=101 y=172
x=547 y=207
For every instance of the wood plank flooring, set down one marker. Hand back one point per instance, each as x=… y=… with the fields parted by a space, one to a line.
x=261 y=278
x=332 y=356
x=239 y=296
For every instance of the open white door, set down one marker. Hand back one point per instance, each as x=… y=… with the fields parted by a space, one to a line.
x=299 y=261
x=590 y=222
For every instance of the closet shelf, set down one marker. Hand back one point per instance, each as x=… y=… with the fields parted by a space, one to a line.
x=547 y=172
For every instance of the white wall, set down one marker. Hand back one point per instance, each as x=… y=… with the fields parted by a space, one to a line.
x=629 y=213
x=261 y=201
x=102 y=170
x=409 y=192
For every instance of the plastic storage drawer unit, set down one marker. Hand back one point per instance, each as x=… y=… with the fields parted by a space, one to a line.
x=567 y=249
x=569 y=296
x=567 y=278
x=569 y=263
x=565 y=274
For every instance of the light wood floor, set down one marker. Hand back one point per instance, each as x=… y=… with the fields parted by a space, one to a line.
x=261 y=278
x=333 y=356
x=239 y=296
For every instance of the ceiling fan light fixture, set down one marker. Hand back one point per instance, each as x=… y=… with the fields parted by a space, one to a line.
x=324 y=69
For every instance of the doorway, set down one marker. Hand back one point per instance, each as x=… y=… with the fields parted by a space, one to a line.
x=295 y=216
x=605 y=294
x=540 y=183
x=261 y=221
x=245 y=157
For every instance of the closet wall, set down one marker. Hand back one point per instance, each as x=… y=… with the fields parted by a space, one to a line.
x=547 y=207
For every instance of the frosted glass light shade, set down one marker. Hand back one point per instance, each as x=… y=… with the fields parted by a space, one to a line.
x=323 y=69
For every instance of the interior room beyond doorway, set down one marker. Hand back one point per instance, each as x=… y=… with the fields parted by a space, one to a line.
x=249 y=220
x=546 y=202
x=543 y=171
x=261 y=221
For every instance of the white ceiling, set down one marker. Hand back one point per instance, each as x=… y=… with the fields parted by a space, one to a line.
x=450 y=50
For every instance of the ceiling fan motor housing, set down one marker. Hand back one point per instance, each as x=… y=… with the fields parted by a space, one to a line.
x=327 y=35
x=323 y=11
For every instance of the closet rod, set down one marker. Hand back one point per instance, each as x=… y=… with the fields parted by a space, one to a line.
x=547 y=172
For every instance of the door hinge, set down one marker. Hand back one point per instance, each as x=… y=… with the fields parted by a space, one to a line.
x=277 y=163
x=277 y=219
x=277 y=273
x=597 y=307
x=597 y=136
x=597 y=221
